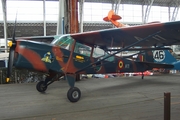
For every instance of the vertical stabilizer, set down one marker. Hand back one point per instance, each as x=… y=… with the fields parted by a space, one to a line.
x=163 y=56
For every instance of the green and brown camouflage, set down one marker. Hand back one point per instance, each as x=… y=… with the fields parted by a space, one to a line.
x=87 y=53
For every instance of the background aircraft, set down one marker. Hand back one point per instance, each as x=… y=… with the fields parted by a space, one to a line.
x=88 y=53
x=112 y=17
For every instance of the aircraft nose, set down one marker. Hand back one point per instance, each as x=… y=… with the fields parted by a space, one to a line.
x=12 y=45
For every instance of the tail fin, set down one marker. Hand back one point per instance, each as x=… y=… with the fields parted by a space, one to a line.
x=163 y=56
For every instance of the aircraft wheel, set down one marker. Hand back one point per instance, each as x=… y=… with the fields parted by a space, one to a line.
x=74 y=94
x=40 y=86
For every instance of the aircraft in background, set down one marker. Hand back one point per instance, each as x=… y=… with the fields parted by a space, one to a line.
x=89 y=53
x=112 y=17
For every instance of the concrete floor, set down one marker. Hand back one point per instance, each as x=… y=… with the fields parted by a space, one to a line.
x=122 y=98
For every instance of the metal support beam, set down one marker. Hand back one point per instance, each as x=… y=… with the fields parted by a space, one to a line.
x=148 y=9
x=60 y=23
x=116 y=6
x=81 y=7
x=44 y=16
x=175 y=13
x=5 y=21
x=4 y=9
x=66 y=17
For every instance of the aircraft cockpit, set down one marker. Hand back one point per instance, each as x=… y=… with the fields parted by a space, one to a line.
x=64 y=41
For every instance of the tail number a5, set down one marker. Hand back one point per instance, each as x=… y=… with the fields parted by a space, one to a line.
x=159 y=55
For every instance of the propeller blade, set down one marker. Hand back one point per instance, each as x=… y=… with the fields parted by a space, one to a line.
x=10 y=63
x=14 y=31
x=12 y=45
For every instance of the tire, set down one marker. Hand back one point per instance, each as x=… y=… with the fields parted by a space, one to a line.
x=40 y=86
x=74 y=94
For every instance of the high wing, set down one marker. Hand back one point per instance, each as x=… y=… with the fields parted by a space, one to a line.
x=47 y=39
x=159 y=34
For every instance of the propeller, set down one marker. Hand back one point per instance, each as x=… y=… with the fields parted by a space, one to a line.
x=12 y=45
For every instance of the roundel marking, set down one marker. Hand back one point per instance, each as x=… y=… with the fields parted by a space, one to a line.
x=159 y=55
x=121 y=64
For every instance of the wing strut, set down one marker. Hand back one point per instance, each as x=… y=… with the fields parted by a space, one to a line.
x=123 y=49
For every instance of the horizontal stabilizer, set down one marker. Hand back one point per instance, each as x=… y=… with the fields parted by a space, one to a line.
x=116 y=17
x=157 y=65
x=140 y=49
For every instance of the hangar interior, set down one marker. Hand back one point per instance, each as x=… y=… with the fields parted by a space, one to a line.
x=51 y=17
x=43 y=17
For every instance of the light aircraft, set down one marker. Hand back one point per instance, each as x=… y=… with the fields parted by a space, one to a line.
x=112 y=17
x=88 y=53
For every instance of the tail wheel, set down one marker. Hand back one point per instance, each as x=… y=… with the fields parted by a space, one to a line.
x=41 y=87
x=74 y=94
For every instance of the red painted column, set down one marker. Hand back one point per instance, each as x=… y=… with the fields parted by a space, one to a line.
x=74 y=25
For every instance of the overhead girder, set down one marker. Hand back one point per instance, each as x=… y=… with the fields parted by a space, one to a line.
x=176 y=5
x=148 y=9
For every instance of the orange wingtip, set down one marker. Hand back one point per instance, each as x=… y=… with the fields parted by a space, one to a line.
x=7 y=80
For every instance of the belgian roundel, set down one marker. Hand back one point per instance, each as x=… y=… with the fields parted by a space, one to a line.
x=121 y=64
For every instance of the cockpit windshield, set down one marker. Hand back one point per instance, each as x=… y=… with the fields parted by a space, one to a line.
x=64 y=41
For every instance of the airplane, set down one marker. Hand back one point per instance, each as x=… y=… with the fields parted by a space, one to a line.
x=165 y=56
x=112 y=17
x=88 y=53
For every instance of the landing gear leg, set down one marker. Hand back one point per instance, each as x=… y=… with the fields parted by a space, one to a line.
x=74 y=93
x=42 y=85
x=142 y=76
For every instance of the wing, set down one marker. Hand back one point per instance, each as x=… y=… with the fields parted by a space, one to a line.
x=46 y=39
x=161 y=34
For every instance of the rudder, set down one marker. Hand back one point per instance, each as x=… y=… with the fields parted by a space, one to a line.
x=163 y=56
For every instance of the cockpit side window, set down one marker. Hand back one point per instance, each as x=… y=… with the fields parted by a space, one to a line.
x=64 y=42
x=100 y=53
x=82 y=49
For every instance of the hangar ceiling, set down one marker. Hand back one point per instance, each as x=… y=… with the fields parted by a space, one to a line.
x=36 y=29
x=141 y=2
